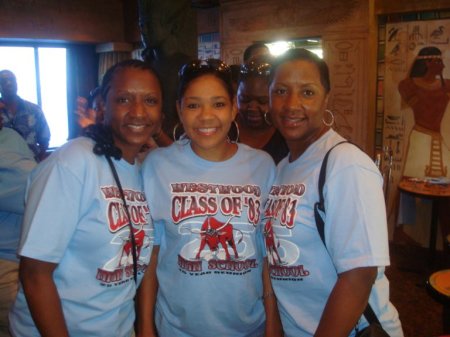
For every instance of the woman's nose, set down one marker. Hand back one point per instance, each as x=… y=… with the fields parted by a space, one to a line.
x=294 y=101
x=206 y=112
x=137 y=108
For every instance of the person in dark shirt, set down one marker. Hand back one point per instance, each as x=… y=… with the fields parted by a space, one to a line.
x=23 y=116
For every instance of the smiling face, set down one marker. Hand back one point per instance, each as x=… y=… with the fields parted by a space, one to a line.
x=253 y=101
x=133 y=109
x=298 y=101
x=206 y=111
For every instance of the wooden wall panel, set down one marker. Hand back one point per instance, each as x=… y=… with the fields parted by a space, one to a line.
x=344 y=27
x=69 y=20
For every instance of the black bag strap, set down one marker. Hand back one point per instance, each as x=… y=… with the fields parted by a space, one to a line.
x=122 y=195
x=104 y=146
x=320 y=205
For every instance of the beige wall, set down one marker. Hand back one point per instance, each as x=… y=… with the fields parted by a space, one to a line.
x=348 y=38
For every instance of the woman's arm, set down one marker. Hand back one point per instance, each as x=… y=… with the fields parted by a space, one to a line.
x=273 y=322
x=347 y=302
x=42 y=297
x=146 y=299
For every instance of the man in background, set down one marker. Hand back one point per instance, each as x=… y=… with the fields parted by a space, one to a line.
x=23 y=116
x=16 y=163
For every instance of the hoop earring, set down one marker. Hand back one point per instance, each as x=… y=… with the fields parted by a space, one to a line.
x=332 y=118
x=267 y=120
x=237 y=134
x=174 y=134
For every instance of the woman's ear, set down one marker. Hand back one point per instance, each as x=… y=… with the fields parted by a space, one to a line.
x=234 y=108
x=327 y=97
x=178 y=105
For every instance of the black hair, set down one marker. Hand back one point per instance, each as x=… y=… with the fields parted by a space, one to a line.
x=136 y=64
x=419 y=67
x=305 y=55
x=260 y=66
x=250 y=49
x=197 y=68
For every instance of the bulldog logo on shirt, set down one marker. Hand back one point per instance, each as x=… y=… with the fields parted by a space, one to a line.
x=280 y=213
x=221 y=220
x=119 y=268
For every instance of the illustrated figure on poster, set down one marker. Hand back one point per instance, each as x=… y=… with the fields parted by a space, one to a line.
x=426 y=92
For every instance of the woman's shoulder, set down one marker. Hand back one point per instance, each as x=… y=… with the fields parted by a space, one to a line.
x=349 y=154
x=74 y=154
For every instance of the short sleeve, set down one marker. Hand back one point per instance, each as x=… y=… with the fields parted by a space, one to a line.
x=51 y=212
x=356 y=225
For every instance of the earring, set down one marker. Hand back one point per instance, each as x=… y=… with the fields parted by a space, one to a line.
x=332 y=118
x=237 y=134
x=266 y=119
x=174 y=133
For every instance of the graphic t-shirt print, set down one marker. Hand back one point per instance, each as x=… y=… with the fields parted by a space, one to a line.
x=119 y=268
x=279 y=222
x=218 y=226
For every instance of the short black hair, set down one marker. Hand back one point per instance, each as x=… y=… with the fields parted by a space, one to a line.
x=131 y=63
x=305 y=55
x=250 y=49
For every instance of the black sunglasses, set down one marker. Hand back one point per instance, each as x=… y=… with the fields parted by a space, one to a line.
x=204 y=66
x=255 y=68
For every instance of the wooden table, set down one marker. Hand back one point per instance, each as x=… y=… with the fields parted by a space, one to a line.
x=435 y=192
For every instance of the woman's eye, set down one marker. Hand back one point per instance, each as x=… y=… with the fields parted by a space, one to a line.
x=122 y=100
x=244 y=99
x=280 y=91
x=151 y=101
x=192 y=106
x=308 y=93
x=219 y=104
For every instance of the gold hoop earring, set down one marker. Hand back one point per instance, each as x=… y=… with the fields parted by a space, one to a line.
x=332 y=118
x=267 y=120
x=237 y=134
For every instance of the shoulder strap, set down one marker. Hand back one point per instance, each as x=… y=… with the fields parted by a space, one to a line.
x=122 y=195
x=320 y=205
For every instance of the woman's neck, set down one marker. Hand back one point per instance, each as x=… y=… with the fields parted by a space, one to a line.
x=298 y=147
x=256 y=138
x=216 y=154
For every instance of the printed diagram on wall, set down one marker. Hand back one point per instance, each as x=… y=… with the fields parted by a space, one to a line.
x=416 y=128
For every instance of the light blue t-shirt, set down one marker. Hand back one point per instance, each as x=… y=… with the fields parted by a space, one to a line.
x=302 y=272
x=16 y=163
x=75 y=218
x=207 y=222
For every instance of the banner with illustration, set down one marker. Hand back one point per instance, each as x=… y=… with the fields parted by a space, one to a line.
x=416 y=132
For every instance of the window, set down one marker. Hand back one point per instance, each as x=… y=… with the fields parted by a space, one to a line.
x=41 y=79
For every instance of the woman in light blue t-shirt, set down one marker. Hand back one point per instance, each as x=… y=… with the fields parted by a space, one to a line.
x=206 y=194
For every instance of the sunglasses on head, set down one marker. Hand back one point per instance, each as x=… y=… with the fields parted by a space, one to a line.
x=255 y=68
x=204 y=66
